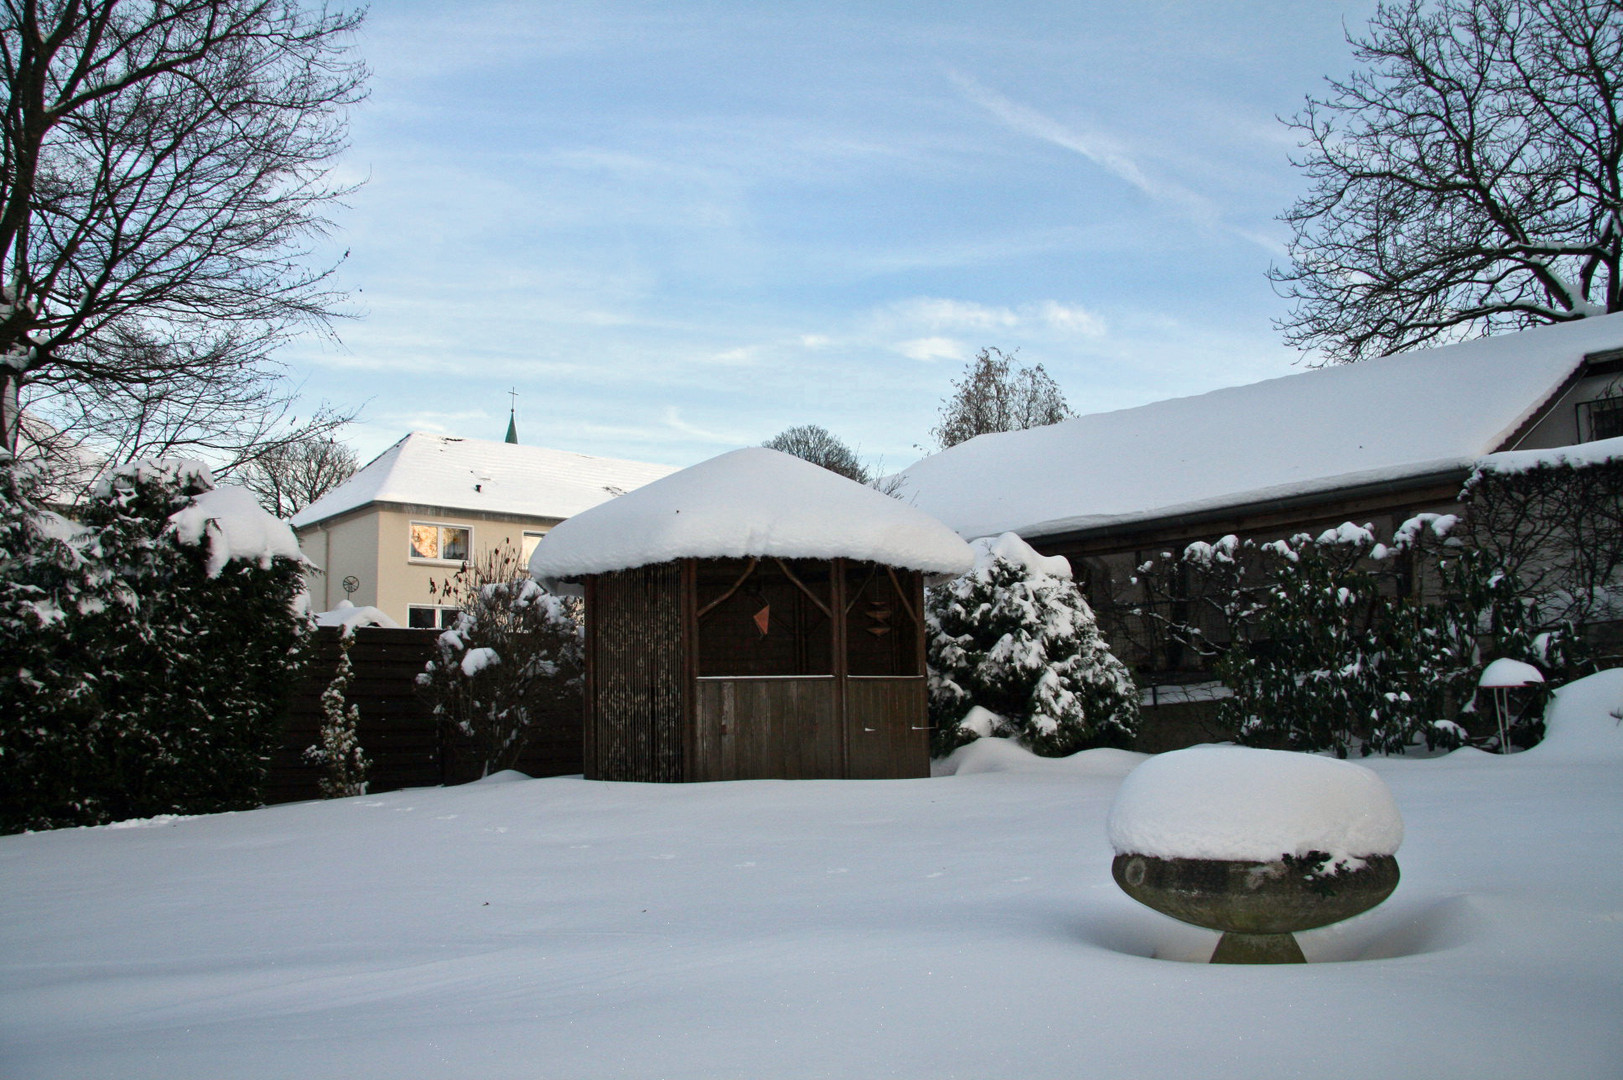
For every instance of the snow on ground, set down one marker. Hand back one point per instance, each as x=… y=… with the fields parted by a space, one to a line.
x=959 y=926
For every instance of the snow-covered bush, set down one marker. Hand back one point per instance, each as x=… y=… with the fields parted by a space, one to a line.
x=49 y=696
x=339 y=751
x=1014 y=651
x=155 y=643
x=516 y=652
x=1328 y=645
x=1329 y=662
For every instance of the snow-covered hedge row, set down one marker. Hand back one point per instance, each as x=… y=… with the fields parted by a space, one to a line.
x=148 y=648
x=1340 y=642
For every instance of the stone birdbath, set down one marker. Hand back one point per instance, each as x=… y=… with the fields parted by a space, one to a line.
x=1257 y=844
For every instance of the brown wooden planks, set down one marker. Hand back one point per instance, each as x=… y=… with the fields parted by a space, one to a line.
x=885 y=718
x=767 y=729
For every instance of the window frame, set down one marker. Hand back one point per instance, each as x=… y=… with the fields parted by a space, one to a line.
x=439 y=610
x=441 y=526
x=1586 y=416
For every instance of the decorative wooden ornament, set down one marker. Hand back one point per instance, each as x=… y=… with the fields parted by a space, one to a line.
x=763 y=619
x=879 y=615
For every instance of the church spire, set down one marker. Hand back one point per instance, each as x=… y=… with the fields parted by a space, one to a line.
x=512 y=417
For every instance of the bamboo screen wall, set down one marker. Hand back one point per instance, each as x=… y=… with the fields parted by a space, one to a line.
x=635 y=699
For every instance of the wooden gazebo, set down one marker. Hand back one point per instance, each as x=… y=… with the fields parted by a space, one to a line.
x=753 y=617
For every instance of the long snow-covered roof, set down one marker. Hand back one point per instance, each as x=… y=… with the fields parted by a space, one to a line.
x=1381 y=420
x=478 y=474
x=746 y=503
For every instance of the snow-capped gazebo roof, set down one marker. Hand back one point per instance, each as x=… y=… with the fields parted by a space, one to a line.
x=751 y=502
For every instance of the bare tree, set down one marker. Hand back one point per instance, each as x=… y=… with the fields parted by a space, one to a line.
x=819 y=446
x=165 y=175
x=1466 y=180
x=994 y=395
x=290 y=476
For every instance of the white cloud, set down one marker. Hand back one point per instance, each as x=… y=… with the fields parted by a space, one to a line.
x=939 y=314
x=1075 y=319
x=674 y=421
x=929 y=313
x=932 y=348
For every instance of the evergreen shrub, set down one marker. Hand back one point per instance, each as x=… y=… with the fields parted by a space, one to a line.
x=1015 y=638
x=155 y=641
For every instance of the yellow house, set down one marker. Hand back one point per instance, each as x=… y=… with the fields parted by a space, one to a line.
x=430 y=502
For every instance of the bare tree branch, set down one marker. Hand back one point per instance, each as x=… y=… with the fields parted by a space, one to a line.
x=1465 y=180
x=995 y=396
x=164 y=173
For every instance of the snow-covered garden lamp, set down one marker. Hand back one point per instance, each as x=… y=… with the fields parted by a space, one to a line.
x=1502 y=676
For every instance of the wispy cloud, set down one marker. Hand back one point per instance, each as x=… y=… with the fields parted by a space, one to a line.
x=674 y=422
x=939 y=314
x=1105 y=150
x=932 y=348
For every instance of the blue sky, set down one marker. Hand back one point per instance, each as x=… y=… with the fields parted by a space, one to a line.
x=678 y=228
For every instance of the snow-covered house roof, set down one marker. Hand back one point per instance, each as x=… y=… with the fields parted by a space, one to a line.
x=481 y=475
x=1380 y=421
x=750 y=502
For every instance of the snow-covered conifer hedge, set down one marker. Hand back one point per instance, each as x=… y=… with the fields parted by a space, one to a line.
x=1014 y=652
x=154 y=642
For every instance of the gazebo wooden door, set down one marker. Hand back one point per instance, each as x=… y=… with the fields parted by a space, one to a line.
x=886 y=736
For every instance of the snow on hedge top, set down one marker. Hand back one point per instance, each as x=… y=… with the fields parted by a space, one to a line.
x=1011 y=548
x=347 y=615
x=1375 y=421
x=235 y=527
x=1235 y=802
x=749 y=502
x=1508 y=462
x=477 y=474
x=1584 y=722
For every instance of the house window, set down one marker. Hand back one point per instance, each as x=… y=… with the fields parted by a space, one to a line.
x=440 y=543
x=430 y=617
x=530 y=540
x=1600 y=419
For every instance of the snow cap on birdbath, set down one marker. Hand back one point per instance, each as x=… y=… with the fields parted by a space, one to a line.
x=1505 y=673
x=1239 y=803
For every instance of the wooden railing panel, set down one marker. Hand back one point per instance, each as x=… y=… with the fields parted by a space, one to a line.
x=767 y=729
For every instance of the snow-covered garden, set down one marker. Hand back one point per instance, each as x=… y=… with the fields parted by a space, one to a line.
x=960 y=926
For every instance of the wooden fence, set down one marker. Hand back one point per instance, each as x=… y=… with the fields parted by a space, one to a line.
x=406 y=743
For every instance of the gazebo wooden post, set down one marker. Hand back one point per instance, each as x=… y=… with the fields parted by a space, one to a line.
x=589 y=760
x=690 y=667
x=836 y=593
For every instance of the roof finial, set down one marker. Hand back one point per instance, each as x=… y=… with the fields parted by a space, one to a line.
x=512 y=416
